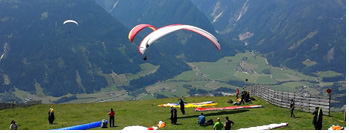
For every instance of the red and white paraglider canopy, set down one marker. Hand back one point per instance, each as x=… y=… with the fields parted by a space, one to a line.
x=157 y=34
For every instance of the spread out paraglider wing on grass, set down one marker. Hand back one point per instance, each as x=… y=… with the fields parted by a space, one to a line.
x=228 y=108
x=190 y=105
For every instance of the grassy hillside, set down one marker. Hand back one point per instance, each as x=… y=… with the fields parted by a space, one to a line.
x=146 y=113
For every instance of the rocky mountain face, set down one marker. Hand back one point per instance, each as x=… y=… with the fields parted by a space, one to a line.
x=305 y=35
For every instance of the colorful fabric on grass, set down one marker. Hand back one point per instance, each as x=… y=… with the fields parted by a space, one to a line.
x=228 y=108
x=266 y=127
x=83 y=126
x=139 y=128
x=190 y=105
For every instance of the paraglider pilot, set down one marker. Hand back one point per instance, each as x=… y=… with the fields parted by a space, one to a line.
x=173 y=115
x=292 y=106
x=13 y=125
x=181 y=104
x=317 y=120
x=144 y=58
x=111 y=117
x=51 y=116
x=237 y=93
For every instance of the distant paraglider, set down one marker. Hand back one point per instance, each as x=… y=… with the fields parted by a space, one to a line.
x=71 y=21
x=157 y=34
x=134 y=31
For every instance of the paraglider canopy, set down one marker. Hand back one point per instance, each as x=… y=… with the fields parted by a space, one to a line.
x=134 y=31
x=71 y=21
x=157 y=34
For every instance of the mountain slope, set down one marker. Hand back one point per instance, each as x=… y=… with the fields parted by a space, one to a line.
x=304 y=35
x=41 y=52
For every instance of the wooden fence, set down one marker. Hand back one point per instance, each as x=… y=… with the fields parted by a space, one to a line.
x=303 y=101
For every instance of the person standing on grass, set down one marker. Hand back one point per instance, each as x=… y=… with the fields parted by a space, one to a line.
x=218 y=125
x=292 y=106
x=237 y=93
x=243 y=97
x=51 y=116
x=173 y=115
x=317 y=120
x=228 y=123
x=111 y=117
x=181 y=104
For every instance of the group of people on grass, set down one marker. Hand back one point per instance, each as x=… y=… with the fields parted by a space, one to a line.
x=218 y=125
x=245 y=96
x=202 y=120
x=317 y=119
x=174 y=111
x=111 y=114
x=51 y=118
x=317 y=115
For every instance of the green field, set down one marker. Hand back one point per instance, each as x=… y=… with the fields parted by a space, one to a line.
x=259 y=61
x=291 y=86
x=309 y=63
x=146 y=113
x=328 y=74
x=284 y=74
x=147 y=68
x=192 y=75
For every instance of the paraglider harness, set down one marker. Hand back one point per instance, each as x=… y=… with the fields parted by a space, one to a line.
x=182 y=105
x=318 y=114
x=209 y=122
x=144 y=57
x=317 y=121
x=51 y=116
x=104 y=123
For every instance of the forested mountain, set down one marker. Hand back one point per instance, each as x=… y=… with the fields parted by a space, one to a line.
x=39 y=52
x=307 y=35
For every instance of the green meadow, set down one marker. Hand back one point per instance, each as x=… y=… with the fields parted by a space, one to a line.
x=147 y=113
